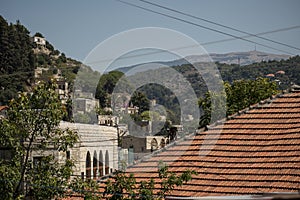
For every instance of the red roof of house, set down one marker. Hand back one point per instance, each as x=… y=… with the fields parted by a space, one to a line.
x=256 y=152
x=270 y=75
x=3 y=108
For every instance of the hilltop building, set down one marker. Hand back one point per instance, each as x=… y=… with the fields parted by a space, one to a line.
x=40 y=45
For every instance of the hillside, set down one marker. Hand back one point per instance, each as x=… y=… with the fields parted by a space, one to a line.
x=284 y=72
x=244 y=58
x=26 y=59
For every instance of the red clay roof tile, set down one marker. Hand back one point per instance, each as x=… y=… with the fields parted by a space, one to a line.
x=255 y=152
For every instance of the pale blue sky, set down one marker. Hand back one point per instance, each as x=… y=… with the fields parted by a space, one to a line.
x=76 y=27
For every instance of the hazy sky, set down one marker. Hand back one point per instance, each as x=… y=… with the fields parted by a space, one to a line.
x=76 y=27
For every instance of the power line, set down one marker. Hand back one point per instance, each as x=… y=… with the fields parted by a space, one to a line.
x=192 y=46
x=249 y=36
x=218 y=24
x=201 y=26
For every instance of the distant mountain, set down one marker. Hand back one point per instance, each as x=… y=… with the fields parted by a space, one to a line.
x=242 y=58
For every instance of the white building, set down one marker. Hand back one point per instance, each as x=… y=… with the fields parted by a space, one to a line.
x=39 y=40
x=96 y=154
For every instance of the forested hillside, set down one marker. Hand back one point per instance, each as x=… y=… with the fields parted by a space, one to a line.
x=20 y=56
x=16 y=60
x=286 y=72
x=282 y=73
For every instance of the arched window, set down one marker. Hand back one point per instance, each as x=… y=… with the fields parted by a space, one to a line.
x=154 y=144
x=162 y=143
x=88 y=165
x=95 y=165
x=106 y=163
x=100 y=164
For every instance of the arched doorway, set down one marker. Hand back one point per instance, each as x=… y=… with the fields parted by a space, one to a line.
x=88 y=165
x=162 y=143
x=154 y=144
x=100 y=164
x=106 y=163
x=95 y=165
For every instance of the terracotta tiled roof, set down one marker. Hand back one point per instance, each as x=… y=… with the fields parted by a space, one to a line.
x=255 y=152
x=3 y=108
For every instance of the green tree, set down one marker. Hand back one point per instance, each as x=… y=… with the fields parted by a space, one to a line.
x=16 y=60
x=239 y=95
x=105 y=87
x=213 y=107
x=150 y=115
x=140 y=100
x=124 y=185
x=87 y=188
x=38 y=34
x=32 y=125
x=243 y=93
x=107 y=84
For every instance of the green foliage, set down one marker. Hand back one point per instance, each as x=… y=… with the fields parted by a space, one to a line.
x=46 y=177
x=106 y=85
x=88 y=188
x=140 y=100
x=16 y=60
x=169 y=179
x=38 y=34
x=229 y=73
x=32 y=125
x=150 y=115
x=164 y=97
x=291 y=67
x=124 y=186
x=213 y=106
x=239 y=95
x=243 y=93
x=49 y=46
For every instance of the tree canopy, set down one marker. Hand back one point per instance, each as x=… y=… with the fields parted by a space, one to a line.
x=16 y=60
x=105 y=87
x=125 y=186
x=32 y=125
x=238 y=95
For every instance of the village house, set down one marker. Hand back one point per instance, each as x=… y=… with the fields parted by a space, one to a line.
x=138 y=147
x=40 y=45
x=96 y=153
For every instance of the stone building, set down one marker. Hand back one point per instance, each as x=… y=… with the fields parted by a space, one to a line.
x=63 y=90
x=138 y=147
x=96 y=154
x=40 y=45
x=39 y=41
